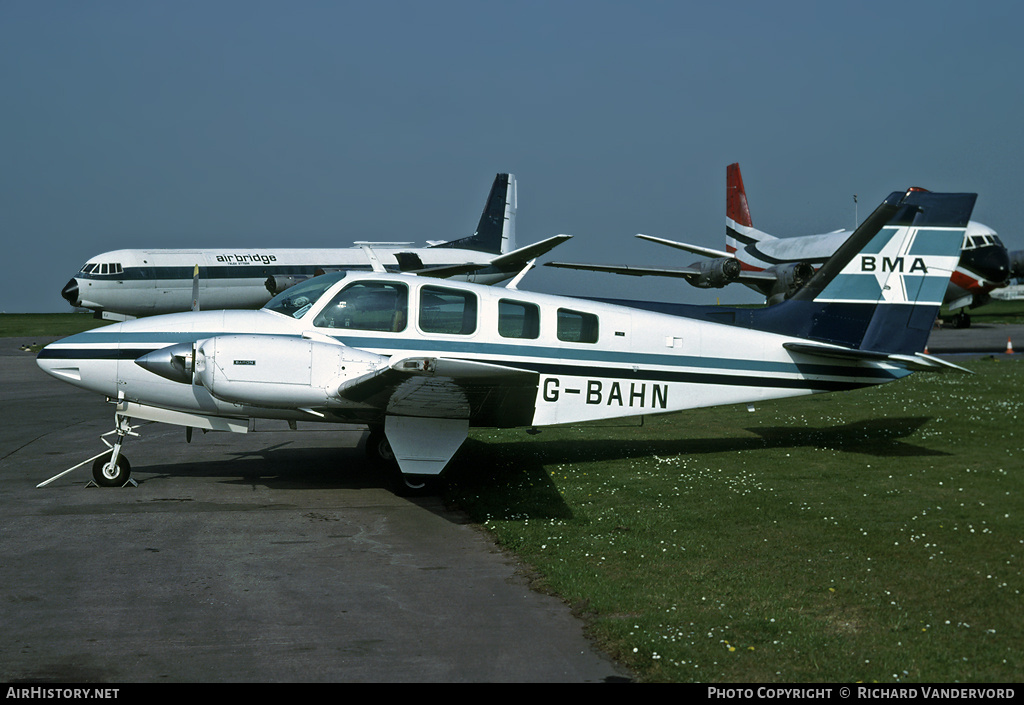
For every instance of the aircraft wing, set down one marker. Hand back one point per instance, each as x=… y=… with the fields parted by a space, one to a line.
x=679 y=272
x=448 y=388
x=689 y=273
x=511 y=260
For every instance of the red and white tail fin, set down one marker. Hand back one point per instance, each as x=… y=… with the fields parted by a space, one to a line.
x=736 y=208
x=739 y=227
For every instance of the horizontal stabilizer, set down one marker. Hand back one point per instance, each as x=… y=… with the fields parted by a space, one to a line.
x=919 y=362
x=525 y=254
x=514 y=260
x=696 y=249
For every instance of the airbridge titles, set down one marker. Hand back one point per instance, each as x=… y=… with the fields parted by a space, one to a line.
x=254 y=258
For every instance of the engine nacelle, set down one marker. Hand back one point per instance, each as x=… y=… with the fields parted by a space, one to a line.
x=791 y=278
x=715 y=273
x=279 y=371
x=276 y=283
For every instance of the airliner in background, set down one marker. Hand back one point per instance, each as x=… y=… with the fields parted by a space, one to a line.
x=142 y=282
x=779 y=267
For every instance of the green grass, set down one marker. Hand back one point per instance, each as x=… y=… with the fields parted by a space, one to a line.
x=995 y=311
x=876 y=535
x=22 y=325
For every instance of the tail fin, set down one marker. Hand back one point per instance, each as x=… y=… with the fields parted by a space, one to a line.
x=882 y=289
x=736 y=207
x=496 y=231
x=739 y=227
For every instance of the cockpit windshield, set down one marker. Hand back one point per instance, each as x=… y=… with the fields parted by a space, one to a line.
x=296 y=300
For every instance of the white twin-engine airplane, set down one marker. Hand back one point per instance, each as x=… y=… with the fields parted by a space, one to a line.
x=778 y=267
x=130 y=283
x=420 y=361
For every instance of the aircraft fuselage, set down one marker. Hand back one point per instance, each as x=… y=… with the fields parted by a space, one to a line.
x=592 y=360
x=148 y=282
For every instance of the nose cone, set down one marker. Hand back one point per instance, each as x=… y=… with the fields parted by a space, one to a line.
x=991 y=264
x=70 y=293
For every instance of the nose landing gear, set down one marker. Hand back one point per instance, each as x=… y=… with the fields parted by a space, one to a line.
x=110 y=468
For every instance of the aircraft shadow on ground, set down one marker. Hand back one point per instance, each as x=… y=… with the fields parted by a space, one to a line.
x=525 y=462
x=282 y=466
x=877 y=437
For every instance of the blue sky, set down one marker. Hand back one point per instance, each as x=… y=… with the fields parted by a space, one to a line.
x=232 y=124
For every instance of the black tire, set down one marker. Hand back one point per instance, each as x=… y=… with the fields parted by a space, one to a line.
x=378 y=450
x=106 y=475
x=415 y=485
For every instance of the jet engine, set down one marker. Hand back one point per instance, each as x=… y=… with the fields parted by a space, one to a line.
x=715 y=273
x=276 y=283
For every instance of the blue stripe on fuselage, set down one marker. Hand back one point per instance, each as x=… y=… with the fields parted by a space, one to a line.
x=580 y=362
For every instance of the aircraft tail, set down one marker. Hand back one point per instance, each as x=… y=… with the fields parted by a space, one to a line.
x=880 y=292
x=496 y=231
x=739 y=227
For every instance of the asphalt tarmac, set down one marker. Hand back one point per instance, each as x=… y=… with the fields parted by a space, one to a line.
x=262 y=558
x=275 y=557
x=980 y=338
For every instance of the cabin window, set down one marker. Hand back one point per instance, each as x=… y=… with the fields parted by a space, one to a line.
x=378 y=306
x=447 y=311
x=576 y=327
x=518 y=320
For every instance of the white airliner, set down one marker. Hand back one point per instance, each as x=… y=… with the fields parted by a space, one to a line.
x=778 y=267
x=131 y=283
x=420 y=361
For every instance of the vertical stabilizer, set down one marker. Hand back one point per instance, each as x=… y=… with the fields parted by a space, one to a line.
x=736 y=207
x=882 y=289
x=739 y=227
x=496 y=231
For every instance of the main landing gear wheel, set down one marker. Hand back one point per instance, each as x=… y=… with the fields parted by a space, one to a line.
x=379 y=451
x=961 y=320
x=111 y=474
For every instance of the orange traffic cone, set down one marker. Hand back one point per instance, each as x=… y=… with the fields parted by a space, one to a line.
x=1009 y=346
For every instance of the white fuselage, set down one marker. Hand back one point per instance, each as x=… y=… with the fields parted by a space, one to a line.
x=148 y=282
x=629 y=362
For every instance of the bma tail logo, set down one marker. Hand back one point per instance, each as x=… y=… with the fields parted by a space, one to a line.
x=900 y=265
x=874 y=263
